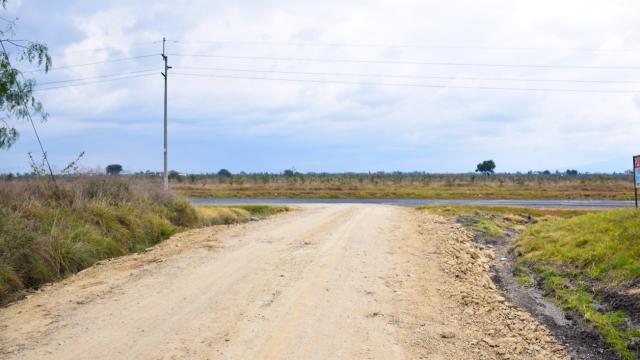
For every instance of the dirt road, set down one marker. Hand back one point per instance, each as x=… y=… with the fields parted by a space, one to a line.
x=323 y=282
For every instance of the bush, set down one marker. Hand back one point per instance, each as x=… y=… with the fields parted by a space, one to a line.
x=47 y=233
x=113 y=169
x=224 y=173
x=174 y=175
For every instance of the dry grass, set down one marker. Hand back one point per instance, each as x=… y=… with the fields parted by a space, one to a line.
x=47 y=233
x=214 y=214
x=411 y=186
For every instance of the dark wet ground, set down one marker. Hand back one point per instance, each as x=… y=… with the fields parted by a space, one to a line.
x=579 y=338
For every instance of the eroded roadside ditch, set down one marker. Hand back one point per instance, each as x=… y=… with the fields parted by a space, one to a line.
x=580 y=338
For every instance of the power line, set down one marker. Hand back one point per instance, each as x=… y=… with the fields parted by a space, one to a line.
x=407 y=76
x=95 y=77
x=93 y=82
x=362 y=61
x=65 y=52
x=93 y=63
x=411 y=85
x=416 y=46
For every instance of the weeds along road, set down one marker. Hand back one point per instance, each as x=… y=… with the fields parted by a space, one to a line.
x=322 y=282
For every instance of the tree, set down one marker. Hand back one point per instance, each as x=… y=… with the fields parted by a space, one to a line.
x=571 y=172
x=174 y=175
x=486 y=167
x=113 y=169
x=225 y=173
x=16 y=92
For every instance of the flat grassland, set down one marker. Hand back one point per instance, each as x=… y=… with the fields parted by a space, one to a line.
x=407 y=186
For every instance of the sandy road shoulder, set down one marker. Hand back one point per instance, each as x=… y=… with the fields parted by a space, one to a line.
x=451 y=308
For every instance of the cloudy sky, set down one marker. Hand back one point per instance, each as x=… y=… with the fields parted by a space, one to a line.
x=337 y=85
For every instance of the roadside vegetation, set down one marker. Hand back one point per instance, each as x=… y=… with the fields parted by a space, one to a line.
x=499 y=221
x=590 y=264
x=219 y=215
x=48 y=232
x=586 y=262
x=406 y=185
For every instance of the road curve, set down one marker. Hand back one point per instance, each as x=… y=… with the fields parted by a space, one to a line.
x=322 y=282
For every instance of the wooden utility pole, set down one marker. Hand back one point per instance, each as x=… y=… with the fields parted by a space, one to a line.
x=165 y=75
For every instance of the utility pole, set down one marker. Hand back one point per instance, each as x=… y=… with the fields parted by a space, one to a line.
x=165 y=74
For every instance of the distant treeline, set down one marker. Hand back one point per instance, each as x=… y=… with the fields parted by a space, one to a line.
x=225 y=174
x=409 y=185
x=387 y=178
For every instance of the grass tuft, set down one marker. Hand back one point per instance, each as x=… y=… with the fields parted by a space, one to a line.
x=47 y=233
x=216 y=214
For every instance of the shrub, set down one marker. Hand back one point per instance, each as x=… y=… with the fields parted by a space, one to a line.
x=113 y=169
x=47 y=233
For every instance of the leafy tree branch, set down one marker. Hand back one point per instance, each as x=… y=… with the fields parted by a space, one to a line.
x=17 y=101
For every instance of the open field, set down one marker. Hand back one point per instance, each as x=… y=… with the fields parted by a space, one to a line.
x=325 y=281
x=586 y=262
x=408 y=186
x=47 y=232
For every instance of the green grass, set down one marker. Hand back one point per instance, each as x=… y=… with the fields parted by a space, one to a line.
x=262 y=210
x=578 y=258
x=579 y=298
x=217 y=214
x=47 y=233
x=497 y=221
x=572 y=255
x=523 y=278
x=538 y=213
x=603 y=246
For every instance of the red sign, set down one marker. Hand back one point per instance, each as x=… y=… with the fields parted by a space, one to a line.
x=636 y=161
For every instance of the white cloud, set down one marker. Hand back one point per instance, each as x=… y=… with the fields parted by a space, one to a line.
x=544 y=128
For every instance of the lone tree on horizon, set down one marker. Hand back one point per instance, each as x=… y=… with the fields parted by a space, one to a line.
x=224 y=173
x=486 y=167
x=113 y=169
